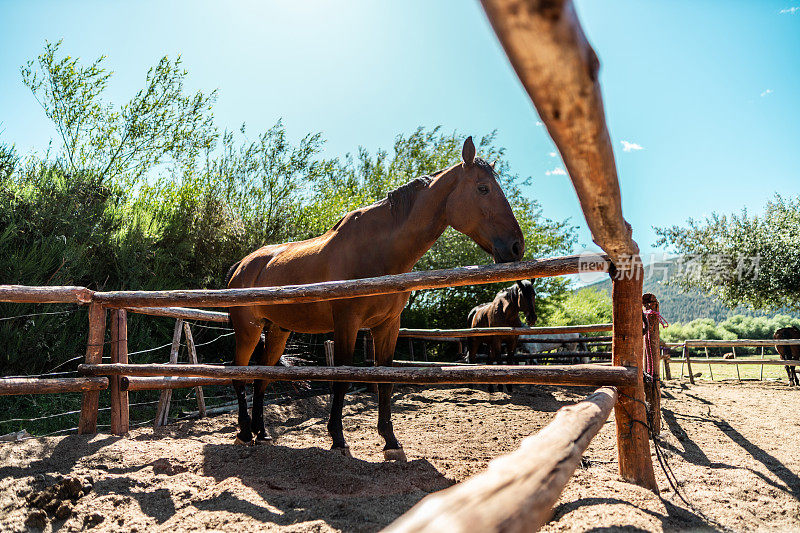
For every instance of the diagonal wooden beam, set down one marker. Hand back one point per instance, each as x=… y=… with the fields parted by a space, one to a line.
x=559 y=69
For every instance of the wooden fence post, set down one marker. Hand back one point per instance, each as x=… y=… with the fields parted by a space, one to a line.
x=369 y=356
x=666 y=359
x=652 y=389
x=329 y=360
x=201 y=401
x=633 y=440
x=162 y=412
x=688 y=363
x=94 y=355
x=120 y=415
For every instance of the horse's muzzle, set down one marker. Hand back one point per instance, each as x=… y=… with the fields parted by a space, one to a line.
x=507 y=251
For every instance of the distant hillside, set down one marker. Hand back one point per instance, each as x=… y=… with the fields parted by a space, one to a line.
x=678 y=306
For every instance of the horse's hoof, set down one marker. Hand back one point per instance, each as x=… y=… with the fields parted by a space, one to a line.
x=395 y=454
x=263 y=440
x=241 y=442
x=345 y=452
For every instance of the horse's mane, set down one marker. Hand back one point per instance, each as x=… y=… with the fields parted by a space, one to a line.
x=402 y=199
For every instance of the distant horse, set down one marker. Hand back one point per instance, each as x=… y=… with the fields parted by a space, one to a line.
x=387 y=237
x=503 y=311
x=789 y=352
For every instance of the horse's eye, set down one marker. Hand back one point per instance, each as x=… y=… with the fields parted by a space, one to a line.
x=483 y=189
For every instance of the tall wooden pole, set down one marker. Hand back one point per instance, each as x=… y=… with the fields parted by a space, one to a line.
x=94 y=355
x=120 y=415
x=162 y=411
x=633 y=442
x=652 y=388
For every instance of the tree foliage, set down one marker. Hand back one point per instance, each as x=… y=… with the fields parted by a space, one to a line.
x=161 y=123
x=743 y=259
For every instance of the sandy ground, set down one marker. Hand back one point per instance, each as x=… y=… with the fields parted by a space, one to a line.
x=733 y=448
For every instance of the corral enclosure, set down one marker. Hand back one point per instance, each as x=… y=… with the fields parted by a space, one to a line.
x=111 y=482
x=724 y=441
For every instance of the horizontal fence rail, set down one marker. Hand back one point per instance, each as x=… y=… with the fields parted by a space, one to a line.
x=744 y=343
x=330 y=290
x=45 y=295
x=517 y=491
x=184 y=313
x=715 y=361
x=15 y=386
x=163 y=383
x=494 y=374
x=479 y=332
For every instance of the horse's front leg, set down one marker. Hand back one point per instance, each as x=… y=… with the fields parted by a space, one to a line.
x=344 y=343
x=267 y=354
x=385 y=340
x=248 y=335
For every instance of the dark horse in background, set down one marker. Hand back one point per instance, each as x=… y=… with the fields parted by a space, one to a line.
x=387 y=237
x=503 y=311
x=789 y=352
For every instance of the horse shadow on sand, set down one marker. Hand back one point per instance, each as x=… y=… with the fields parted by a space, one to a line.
x=311 y=484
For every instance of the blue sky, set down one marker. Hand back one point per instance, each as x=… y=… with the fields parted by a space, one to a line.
x=707 y=90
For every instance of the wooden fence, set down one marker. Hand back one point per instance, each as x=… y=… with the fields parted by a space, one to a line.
x=733 y=344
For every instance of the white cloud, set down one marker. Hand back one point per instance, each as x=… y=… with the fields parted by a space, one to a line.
x=631 y=147
x=765 y=93
x=553 y=154
x=790 y=10
x=558 y=171
x=539 y=123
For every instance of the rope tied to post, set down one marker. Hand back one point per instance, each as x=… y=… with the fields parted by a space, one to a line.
x=651 y=373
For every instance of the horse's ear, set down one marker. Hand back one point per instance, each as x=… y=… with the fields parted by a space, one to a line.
x=494 y=163
x=468 y=151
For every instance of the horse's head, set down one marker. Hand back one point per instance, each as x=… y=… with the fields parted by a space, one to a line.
x=526 y=300
x=478 y=208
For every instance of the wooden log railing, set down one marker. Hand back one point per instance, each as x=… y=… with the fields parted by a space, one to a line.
x=737 y=343
x=517 y=491
x=715 y=361
x=332 y=290
x=479 y=332
x=456 y=374
x=17 y=386
x=184 y=313
x=45 y=295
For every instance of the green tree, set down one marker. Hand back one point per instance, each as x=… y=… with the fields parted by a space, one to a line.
x=160 y=124
x=743 y=259
x=583 y=306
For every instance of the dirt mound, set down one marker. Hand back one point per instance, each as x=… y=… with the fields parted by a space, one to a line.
x=728 y=444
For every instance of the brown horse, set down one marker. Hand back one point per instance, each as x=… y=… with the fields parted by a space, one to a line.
x=387 y=237
x=503 y=311
x=790 y=351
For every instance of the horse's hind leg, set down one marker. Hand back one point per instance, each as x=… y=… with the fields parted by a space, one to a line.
x=248 y=335
x=344 y=342
x=267 y=353
x=792 y=371
x=385 y=337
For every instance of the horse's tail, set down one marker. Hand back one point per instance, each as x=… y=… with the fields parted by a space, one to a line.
x=228 y=277
x=231 y=270
x=470 y=316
